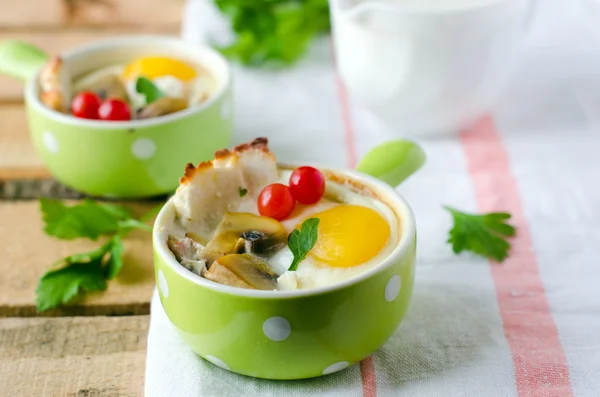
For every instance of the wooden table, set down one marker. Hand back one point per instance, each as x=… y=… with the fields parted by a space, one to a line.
x=97 y=347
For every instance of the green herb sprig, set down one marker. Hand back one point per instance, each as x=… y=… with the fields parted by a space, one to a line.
x=300 y=242
x=147 y=88
x=76 y=274
x=486 y=234
x=275 y=31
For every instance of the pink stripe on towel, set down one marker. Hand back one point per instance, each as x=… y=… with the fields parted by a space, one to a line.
x=539 y=361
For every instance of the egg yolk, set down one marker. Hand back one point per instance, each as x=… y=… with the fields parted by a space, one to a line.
x=349 y=235
x=153 y=67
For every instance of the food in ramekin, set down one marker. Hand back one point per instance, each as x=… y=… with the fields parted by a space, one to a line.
x=144 y=88
x=245 y=221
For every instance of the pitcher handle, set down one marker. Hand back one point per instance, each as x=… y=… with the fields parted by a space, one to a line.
x=20 y=60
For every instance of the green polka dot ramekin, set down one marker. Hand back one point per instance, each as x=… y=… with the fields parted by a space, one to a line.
x=133 y=159
x=290 y=334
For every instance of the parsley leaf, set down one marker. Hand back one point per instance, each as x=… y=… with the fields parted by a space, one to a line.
x=301 y=241
x=87 y=219
x=131 y=223
x=77 y=274
x=147 y=88
x=83 y=272
x=114 y=261
x=63 y=285
x=275 y=31
x=243 y=191
x=485 y=235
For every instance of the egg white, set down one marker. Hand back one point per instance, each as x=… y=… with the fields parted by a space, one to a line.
x=310 y=273
x=169 y=85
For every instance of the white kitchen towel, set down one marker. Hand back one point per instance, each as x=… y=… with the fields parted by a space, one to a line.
x=529 y=327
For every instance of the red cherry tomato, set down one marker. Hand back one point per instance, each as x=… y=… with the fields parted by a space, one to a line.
x=307 y=185
x=276 y=201
x=114 y=110
x=85 y=105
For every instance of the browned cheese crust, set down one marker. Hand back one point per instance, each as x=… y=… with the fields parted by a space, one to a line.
x=261 y=144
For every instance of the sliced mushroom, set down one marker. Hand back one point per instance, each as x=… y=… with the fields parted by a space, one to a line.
x=162 y=106
x=242 y=270
x=109 y=86
x=197 y=238
x=184 y=250
x=105 y=82
x=198 y=267
x=241 y=232
x=264 y=243
x=222 y=275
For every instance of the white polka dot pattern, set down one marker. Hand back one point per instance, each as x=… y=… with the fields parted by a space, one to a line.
x=277 y=328
x=335 y=367
x=217 y=361
x=162 y=284
x=143 y=148
x=392 y=289
x=50 y=142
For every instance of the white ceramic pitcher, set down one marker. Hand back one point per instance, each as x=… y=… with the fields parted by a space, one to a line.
x=427 y=66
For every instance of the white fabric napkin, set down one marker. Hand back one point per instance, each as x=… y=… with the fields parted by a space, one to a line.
x=528 y=327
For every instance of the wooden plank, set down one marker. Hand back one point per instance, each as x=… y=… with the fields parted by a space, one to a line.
x=104 y=13
x=27 y=253
x=33 y=189
x=31 y=12
x=76 y=357
x=54 y=42
x=20 y=174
